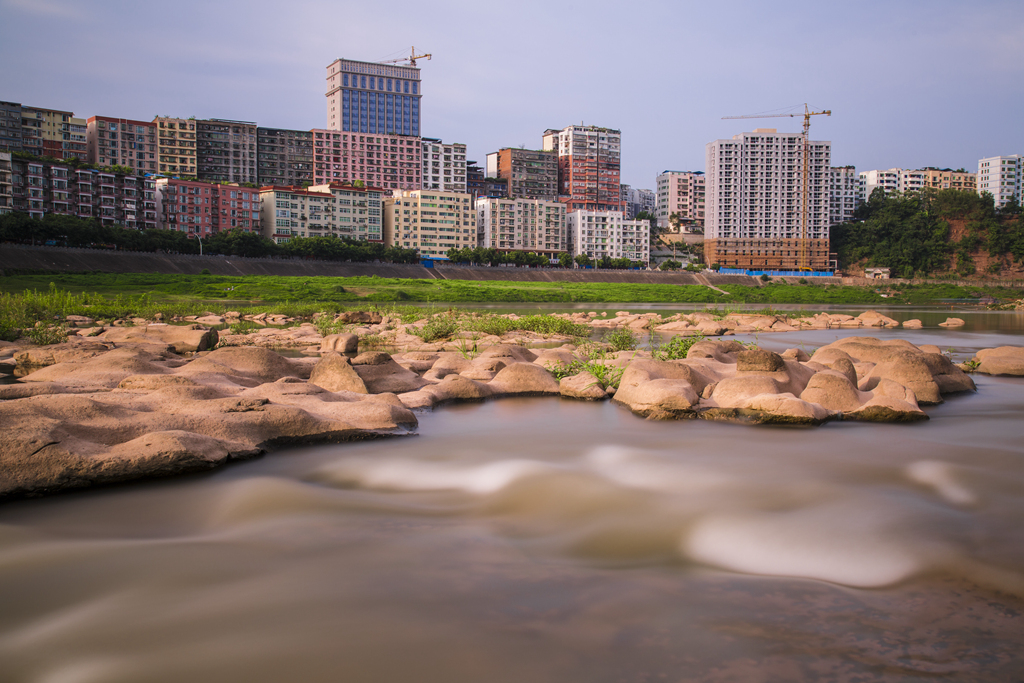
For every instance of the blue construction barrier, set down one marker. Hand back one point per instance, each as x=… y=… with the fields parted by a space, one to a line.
x=777 y=273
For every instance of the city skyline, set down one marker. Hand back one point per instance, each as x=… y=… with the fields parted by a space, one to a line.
x=909 y=85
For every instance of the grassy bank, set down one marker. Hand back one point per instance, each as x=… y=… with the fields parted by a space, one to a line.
x=25 y=299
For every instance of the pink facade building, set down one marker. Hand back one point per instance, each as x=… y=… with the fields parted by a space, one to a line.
x=203 y=209
x=391 y=162
x=122 y=142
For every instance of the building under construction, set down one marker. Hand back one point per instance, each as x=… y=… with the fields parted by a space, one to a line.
x=767 y=202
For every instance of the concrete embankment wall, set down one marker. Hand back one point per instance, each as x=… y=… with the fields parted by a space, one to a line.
x=17 y=257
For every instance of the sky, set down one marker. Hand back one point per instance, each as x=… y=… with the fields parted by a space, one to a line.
x=909 y=83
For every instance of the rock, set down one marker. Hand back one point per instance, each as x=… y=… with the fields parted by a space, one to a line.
x=458 y=388
x=733 y=392
x=909 y=369
x=661 y=389
x=509 y=353
x=876 y=319
x=211 y=320
x=381 y=374
x=359 y=317
x=798 y=355
x=523 y=379
x=582 y=386
x=759 y=360
x=183 y=338
x=783 y=409
x=723 y=351
x=340 y=343
x=949 y=377
x=833 y=391
x=252 y=363
x=335 y=373
x=486 y=368
x=105 y=370
x=953 y=322
x=1002 y=360
x=913 y=324
x=41 y=356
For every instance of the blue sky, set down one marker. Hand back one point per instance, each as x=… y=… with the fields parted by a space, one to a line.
x=910 y=83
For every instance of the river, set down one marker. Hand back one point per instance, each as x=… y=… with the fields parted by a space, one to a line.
x=548 y=540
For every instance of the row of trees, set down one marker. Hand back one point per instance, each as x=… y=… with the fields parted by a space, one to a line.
x=910 y=233
x=71 y=231
x=493 y=257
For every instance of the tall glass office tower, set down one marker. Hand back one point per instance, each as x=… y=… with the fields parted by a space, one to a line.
x=366 y=97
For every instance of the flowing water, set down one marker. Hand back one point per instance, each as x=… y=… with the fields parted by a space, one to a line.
x=547 y=540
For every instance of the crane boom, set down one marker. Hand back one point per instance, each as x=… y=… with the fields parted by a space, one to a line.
x=411 y=58
x=804 y=218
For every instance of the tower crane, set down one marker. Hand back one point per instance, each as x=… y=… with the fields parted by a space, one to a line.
x=411 y=58
x=804 y=220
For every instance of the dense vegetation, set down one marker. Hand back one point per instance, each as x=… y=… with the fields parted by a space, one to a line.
x=71 y=231
x=493 y=257
x=910 y=233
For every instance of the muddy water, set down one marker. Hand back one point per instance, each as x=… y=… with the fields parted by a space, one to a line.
x=547 y=540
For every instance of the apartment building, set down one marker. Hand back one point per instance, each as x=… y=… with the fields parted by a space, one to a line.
x=390 y=162
x=10 y=126
x=890 y=180
x=226 y=150
x=358 y=211
x=843 y=192
x=176 y=145
x=947 y=179
x=1001 y=177
x=122 y=142
x=600 y=234
x=374 y=99
x=444 y=165
x=6 y=189
x=636 y=201
x=40 y=187
x=511 y=224
x=681 y=193
x=52 y=133
x=284 y=157
x=530 y=173
x=432 y=222
x=755 y=199
x=589 y=159
x=202 y=208
x=479 y=185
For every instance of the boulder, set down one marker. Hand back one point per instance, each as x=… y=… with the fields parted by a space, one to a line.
x=913 y=324
x=523 y=379
x=732 y=392
x=582 y=386
x=381 y=374
x=334 y=373
x=359 y=317
x=248 y=362
x=909 y=369
x=953 y=322
x=456 y=388
x=1002 y=360
x=340 y=343
x=783 y=409
x=183 y=338
x=833 y=391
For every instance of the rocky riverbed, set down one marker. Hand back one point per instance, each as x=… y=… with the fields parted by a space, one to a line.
x=153 y=400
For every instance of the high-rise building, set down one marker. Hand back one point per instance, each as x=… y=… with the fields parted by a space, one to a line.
x=371 y=98
x=681 y=193
x=843 y=192
x=1001 y=177
x=589 y=160
x=176 y=145
x=284 y=157
x=391 y=162
x=358 y=210
x=122 y=142
x=52 y=133
x=517 y=224
x=890 y=180
x=202 y=208
x=39 y=187
x=432 y=222
x=755 y=201
x=10 y=126
x=478 y=184
x=6 y=189
x=444 y=165
x=947 y=179
x=226 y=150
x=531 y=174
x=601 y=234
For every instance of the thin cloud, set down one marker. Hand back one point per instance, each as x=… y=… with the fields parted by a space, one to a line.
x=59 y=9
